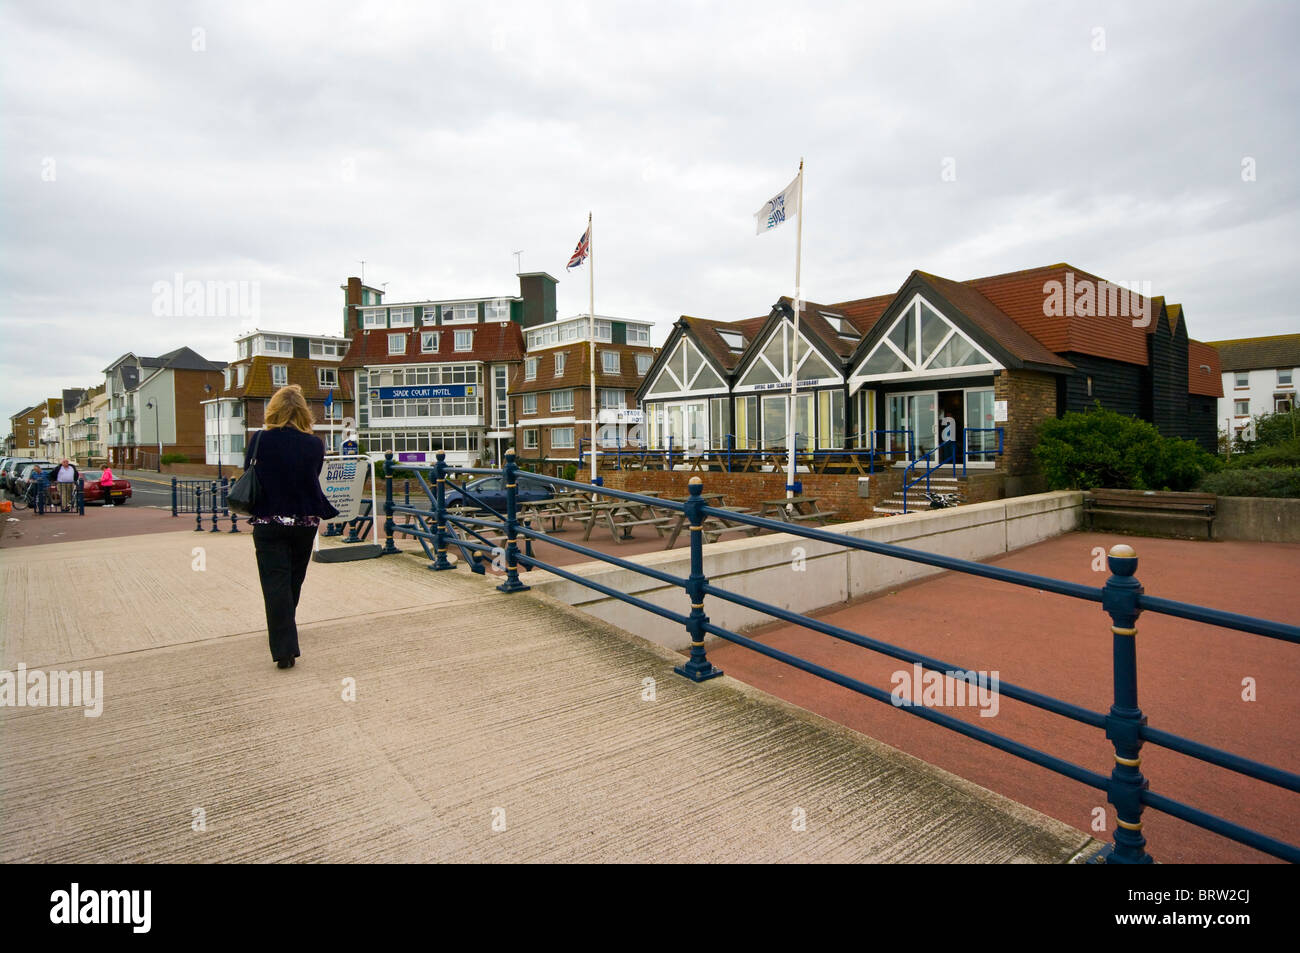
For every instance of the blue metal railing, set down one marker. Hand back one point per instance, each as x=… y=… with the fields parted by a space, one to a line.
x=1122 y=598
x=911 y=478
x=203 y=496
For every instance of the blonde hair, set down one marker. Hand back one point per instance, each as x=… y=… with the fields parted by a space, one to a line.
x=288 y=408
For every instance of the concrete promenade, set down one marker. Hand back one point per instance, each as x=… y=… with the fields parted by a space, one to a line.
x=484 y=728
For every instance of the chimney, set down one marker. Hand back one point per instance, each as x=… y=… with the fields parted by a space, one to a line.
x=351 y=301
x=538 y=291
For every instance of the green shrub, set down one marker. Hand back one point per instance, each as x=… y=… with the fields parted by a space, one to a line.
x=1101 y=448
x=1276 y=481
x=1274 y=429
x=571 y=471
x=175 y=458
x=1285 y=453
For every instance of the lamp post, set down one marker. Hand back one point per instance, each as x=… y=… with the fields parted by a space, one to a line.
x=157 y=428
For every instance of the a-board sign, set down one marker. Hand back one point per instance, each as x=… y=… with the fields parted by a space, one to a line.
x=343 y=481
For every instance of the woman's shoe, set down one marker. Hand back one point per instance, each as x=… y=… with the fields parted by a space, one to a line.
x=292 y=661
x=283 y=663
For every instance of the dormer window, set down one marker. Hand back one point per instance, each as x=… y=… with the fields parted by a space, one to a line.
x=841 y=325
x=397 y=344
x=734 y=340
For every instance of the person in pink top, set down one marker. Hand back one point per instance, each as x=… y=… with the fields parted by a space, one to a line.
x=106 y=484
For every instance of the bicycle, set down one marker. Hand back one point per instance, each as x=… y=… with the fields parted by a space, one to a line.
x=27 y=499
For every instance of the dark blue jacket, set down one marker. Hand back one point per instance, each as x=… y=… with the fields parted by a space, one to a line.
x=288 y=474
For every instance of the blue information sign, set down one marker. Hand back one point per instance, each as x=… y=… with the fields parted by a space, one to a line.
x=349 y=448
x=421 y=393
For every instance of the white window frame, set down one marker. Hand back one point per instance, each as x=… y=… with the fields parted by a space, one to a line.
x=528 y=405
x=283 y=374
x=427 y=337
x=637 y=335
x=560 y=359
x=608 y=403
x=604 y=362
x=530 y=438
x=1237 y=405
x=239 y=374
x=395 y=339
x=1241 y=379
x=1290 y=378
x=468 y=338
x=555 y=439
x=558 y=407
x=401 y=318
x=461 y=313
x=498 y=309
x=327 y=377
x=530 y=368
x=643 y=364
x=374 y=317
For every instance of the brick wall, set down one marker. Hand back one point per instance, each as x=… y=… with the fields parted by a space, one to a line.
x=1031 y=399
x=835 y=491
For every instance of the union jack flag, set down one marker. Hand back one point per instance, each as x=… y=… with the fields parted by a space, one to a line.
x=580 y=253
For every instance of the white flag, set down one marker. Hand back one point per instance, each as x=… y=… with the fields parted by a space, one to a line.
x=778 y=208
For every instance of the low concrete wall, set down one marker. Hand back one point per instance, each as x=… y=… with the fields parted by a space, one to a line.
x=767 y=567
x=1258 y=519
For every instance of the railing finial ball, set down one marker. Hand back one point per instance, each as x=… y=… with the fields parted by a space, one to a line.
x=695 y=480
x=1123 y=551
x=510 y=451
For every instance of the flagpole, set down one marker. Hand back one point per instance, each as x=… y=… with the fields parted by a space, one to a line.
x=591 y=317
x=794 y=347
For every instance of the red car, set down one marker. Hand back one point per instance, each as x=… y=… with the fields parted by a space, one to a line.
x=120 y=491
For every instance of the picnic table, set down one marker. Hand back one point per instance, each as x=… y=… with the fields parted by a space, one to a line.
x=714 y=526
x=557 y=509
x=797 y=509
x=622 y=516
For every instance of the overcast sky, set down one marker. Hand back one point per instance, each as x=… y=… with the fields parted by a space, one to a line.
x=280 y=143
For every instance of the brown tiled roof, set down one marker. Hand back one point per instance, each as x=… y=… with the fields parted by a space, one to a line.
x=1248 y=354
x=494 y=343
x=1199 y=381
x=996 y=323
x=301 y=371
x=814 y=325
x=865 y=312
x=1021 y=297
x=576 y=373
x=705 y=333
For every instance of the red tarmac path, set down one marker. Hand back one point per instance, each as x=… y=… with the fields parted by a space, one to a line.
x=1189 y=680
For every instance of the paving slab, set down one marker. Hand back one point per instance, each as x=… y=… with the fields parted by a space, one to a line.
x=484 y=727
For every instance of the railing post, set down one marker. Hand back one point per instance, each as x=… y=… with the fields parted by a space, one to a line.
x=1125 y=720
x=198 y=507
x=225 y=505
x=389 y=547
x=698 y=668
x=440 y=560
x=81 y=496
x=512 y=583
x=174 y=510
x=215 y=507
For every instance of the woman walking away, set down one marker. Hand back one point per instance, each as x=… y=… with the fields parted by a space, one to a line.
x=106 y=484
x=288 y=458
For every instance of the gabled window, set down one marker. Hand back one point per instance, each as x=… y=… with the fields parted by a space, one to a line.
x=397 y=344
x=429 y=342
x=686 y=370
x=279 y=375
x=922 y=341
x=464 y=340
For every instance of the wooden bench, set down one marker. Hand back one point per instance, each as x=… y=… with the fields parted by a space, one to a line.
x=1179 y=508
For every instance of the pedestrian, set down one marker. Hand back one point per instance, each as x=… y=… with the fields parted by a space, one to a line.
x=106 y=484
x=40 y=485
x=66 y=478
x=287 y=457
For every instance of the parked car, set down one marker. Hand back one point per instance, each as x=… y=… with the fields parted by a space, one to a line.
x=18 y=479
x=7 y=469
x=121 y=491
x=4 y=465
x=491 y=492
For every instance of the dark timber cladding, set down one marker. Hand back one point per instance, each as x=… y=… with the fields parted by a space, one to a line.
x=1116 y=385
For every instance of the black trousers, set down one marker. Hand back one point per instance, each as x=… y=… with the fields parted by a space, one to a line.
x=283 y=553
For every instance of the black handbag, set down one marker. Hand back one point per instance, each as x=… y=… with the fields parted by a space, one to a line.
x=243 y=495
